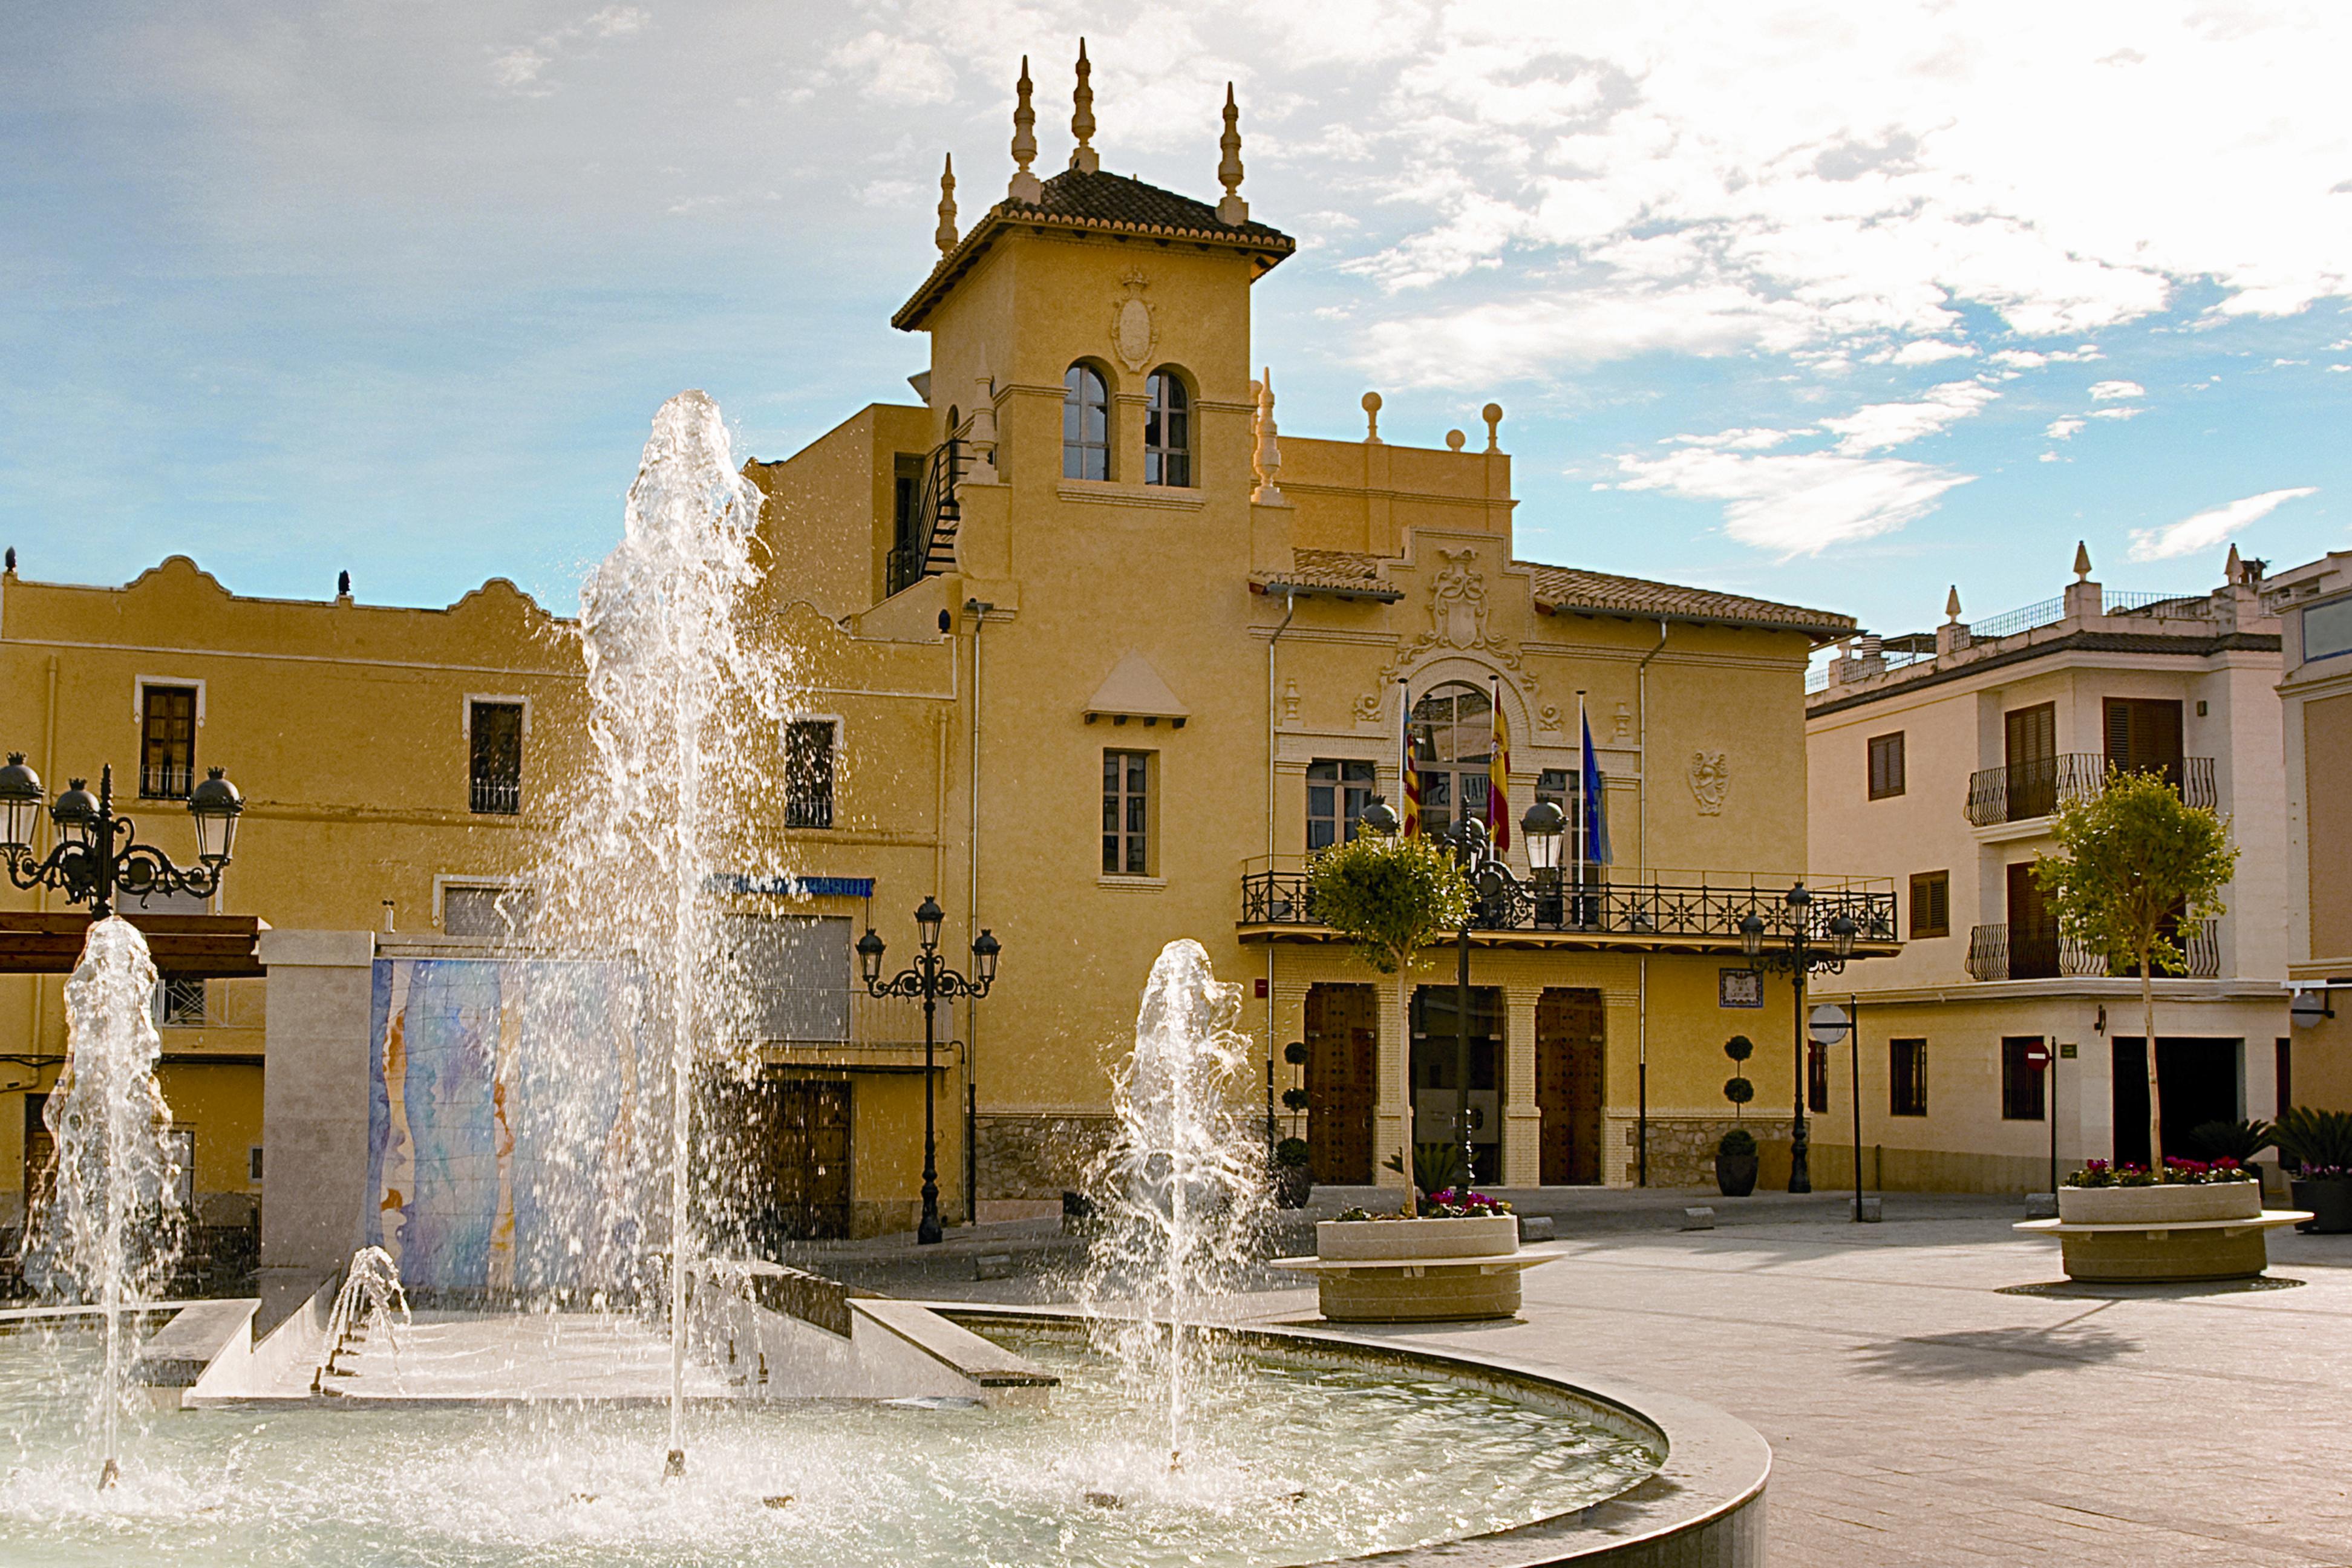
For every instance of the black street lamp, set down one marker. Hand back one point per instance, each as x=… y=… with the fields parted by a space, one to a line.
x=1490 y=879
x=98 y=852
x=930 y=979
x=1801 y=958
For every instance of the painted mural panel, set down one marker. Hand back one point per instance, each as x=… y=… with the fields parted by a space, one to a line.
x=501 y=1123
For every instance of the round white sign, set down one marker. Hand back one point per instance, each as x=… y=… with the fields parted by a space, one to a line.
x=1827 y=1024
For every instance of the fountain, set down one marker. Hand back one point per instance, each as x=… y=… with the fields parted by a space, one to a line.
x=371 y=1297
x=108 y=1228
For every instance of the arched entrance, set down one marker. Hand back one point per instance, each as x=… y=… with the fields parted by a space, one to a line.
x=1453 y=742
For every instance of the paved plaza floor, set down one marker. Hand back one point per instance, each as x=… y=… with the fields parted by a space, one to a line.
x=1922 y=1408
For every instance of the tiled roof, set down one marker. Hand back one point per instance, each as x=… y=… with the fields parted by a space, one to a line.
x=1577 y=591
x=1986 y=658
x=1096 y=202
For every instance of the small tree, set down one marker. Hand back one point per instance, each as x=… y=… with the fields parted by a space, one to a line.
x=2137 y=861
x=1391 y=897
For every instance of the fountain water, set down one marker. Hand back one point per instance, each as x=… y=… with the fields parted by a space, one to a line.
x=369 y=1296
x=688 y=693
x=1183 y=1185
x=108 y=1225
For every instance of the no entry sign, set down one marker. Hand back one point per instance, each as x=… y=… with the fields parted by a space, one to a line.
x=2037 y=1056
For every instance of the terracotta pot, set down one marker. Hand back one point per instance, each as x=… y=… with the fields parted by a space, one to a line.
x=2151 y=1205
x=1735 y=1174
x=1479 y=1235
x=2330 y=1203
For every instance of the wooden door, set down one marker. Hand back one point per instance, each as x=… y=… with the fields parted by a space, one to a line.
x=2032 y=931
x=2144 y=736
x=1343 y=1039
x=2030 y=752
x=804 y=1161
x=1570 y=1047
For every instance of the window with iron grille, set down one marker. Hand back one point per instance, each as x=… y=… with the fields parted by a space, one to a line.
x=1336 y=794
x=808 y=773
x=496 y=913
x=1086 y=424
x=1885 y=765
x=167 y=742
x=1126 y=814
x=183 y=1002
x=494 y=734
x=2021 y=1084
x=1907 y=1082
x=1931 y=904
x=1167 y=430
x=1817 y=1078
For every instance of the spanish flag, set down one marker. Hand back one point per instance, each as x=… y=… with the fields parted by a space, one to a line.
x=1499 y=778
x=1405 y=770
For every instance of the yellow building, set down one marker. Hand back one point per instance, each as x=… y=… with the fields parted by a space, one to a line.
x=1095 y=655
x=2315 y=609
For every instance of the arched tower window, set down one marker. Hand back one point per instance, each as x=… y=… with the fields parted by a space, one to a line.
x=1167 y=430
x=1453 y=740
x=1086 y=424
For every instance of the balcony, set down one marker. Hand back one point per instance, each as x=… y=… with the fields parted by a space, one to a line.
x=2022 y=791
x=2039 y=952
x=496 y=797
x=1658 y=910
x=166 y=780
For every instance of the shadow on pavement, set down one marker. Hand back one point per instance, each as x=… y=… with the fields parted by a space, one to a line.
x=1977 y=1355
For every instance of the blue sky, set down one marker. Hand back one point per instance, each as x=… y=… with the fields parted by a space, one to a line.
x=1839 y=304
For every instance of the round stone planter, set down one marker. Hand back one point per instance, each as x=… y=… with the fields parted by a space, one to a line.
x=2161 y=1233
x=2154 y=1205
x=1417 y=1270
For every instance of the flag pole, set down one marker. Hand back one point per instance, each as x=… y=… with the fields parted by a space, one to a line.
x=1584 y=814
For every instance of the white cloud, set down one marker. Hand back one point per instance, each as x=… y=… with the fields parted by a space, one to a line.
x=2131 y=411
x=521 y=69
x=1797 y=503
x=2105 y=391
x=1880 y=426
x=1924 y=351
x=2204 y=529
x=2064 y=430
x=1747 y=440
x=890 y=69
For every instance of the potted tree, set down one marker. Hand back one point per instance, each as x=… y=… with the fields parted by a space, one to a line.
x=1449 y=1252
x=2315 y=1147
x=1735 y=1156
x=1294 y=1182
x=2137 y=862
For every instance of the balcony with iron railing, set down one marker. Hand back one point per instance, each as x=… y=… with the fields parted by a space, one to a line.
x=2040 y=952
x=2021 y=792
x=1613 y=908
x=495 y=796
x=166 y=780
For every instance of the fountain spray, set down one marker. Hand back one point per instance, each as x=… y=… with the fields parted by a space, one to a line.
x=108 y=1225
x=1183 y=1187
x=689 y=694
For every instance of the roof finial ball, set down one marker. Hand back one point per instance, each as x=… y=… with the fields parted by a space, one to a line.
x=1083 y=157
x=1371 y=419
x=946 y=233
x=1025 y=186
x=1231 y=208
x=1493 y=415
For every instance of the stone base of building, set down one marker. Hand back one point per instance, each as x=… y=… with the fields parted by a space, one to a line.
x=1037 y=1157
x=1682 y=1150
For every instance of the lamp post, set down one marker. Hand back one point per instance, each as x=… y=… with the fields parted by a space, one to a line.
x=930 y=978
x=98 y=852
x=1801 y=958
x=1490 y=879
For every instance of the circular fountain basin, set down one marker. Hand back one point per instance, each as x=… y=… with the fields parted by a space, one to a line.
x=1306 y=1446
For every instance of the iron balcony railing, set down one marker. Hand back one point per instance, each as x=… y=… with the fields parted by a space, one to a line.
x=166 y=780
x=497 y=796
x=1685 y=905
x=2023 y=791
x=2040 y=952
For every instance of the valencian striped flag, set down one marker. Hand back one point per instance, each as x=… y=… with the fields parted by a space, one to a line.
x=1498 y=776
x=1405 y=770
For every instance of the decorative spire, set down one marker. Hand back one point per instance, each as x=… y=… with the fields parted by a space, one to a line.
x=1083 y=157
x=2082 y=561
x=1265 y=460
x=1232 y=209
x=946 y=233
x=1025 y=186
x=2234 y=570
x=1952 y=604
x=1493 y=415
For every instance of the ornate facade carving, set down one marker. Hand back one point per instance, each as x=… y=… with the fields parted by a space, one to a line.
x=1710 y=781
x=1132 y=329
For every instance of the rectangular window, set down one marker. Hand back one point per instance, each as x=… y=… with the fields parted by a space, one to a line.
x=488 y=913
x=2327 y=629
x=1885 y=765
x=1931 y=904
x=1126 y=814
x=2021 y=1085
x=167 y=742
x=1817 y=1078
x=793 y=975
x=1906 y=1084
x=905 y=502
x=1336 y=793
x=2144 y=737
x=2286 y=1075
x=183 y=1002
x=494 y=733
x=808 y=773
x=2030 y=758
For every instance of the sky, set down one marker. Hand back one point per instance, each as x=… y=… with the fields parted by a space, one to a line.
x=1837 y=304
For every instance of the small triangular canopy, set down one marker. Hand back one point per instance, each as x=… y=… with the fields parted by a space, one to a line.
x=1135 y=689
